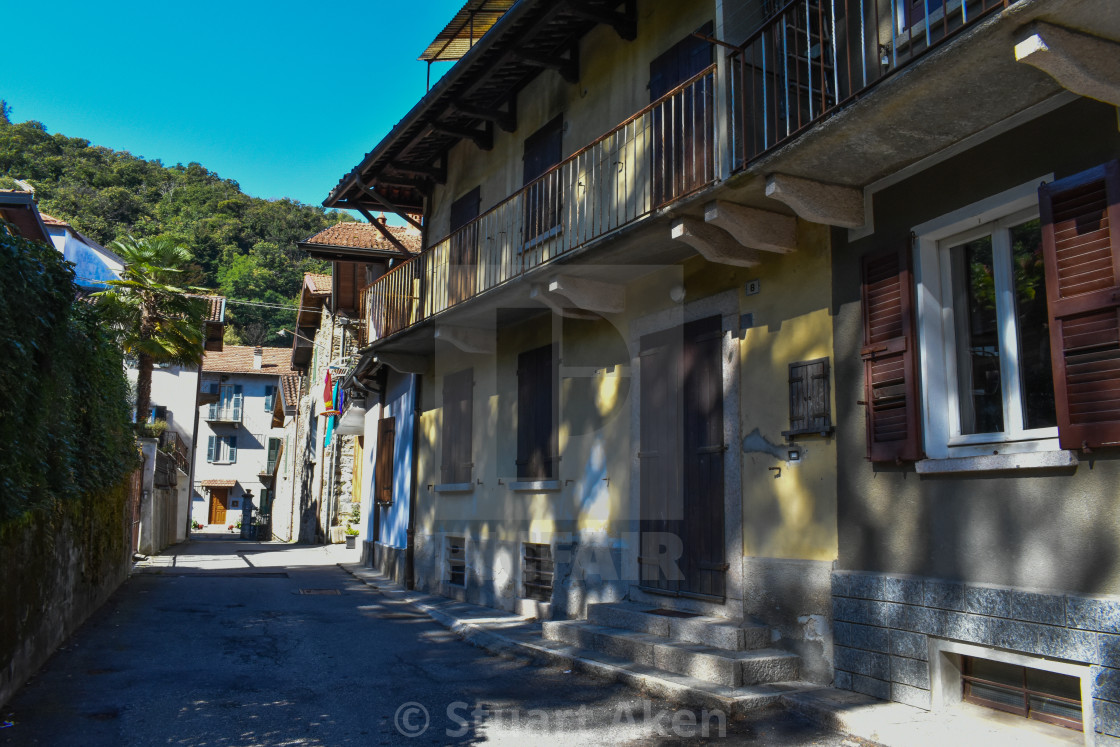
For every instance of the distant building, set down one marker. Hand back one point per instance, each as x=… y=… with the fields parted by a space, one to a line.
x=238 y=446
x=93 y=263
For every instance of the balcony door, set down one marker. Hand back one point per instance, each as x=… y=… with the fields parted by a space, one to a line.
x=681 y=124
x=543 y=150
x=463 y=270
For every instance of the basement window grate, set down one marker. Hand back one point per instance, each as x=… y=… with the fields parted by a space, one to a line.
x=537 y=571
x=1030 y=693
x=456 y=561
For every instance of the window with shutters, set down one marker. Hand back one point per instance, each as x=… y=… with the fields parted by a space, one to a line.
x=810 y=410
x=537 y=411
x=383 y=466
x=269 y=398
x=221 y=449
x=988 y=385
x=458 y=390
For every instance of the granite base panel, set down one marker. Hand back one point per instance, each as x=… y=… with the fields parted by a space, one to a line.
x=883 y=624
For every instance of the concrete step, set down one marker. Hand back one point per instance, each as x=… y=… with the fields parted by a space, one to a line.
x=706 y=663
x=716 y=632
x=682 y=689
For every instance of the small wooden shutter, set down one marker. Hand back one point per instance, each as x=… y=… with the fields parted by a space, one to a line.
x=237 y=395
x=890 y=371
x=269 y=394
x=211 y=452
x=457 y=427
x=537 y=445
x=383 y=469
x=1082 y=257
x=232 y=441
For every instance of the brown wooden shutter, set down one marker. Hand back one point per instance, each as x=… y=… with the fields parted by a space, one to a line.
x=890 y=370
x=536 y=414
x=1082 y=257
x=457 y=426
x=383 y=469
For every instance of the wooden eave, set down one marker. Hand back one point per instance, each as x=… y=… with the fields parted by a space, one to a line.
x=486 y=79
x=337 y=253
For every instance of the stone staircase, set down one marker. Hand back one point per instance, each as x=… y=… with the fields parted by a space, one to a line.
x=682 y=646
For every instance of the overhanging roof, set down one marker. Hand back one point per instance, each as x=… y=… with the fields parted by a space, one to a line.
x=469 y=24
x=18 y=208
x=475 y=95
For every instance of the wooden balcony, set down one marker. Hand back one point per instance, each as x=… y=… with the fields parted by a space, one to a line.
x=665 y=152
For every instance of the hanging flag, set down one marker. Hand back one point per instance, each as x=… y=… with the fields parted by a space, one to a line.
x=330 y=394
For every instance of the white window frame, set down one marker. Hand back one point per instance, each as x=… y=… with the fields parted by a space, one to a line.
x=936 y=331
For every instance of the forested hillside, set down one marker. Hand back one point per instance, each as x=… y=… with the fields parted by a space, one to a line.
x=244 y=246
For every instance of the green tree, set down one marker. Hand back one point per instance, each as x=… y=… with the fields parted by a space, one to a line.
x=157 y=320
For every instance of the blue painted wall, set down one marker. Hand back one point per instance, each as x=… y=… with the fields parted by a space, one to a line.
x=399 y=403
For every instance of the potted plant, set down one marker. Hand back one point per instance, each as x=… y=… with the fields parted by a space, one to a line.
x=351 y=537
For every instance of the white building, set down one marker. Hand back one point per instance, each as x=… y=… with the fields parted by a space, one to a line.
x=238 y=445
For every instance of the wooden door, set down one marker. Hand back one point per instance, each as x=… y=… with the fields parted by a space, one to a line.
x=218 y=503
x=681 y=456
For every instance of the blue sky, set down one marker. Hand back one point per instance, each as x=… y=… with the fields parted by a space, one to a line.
x=283 y=97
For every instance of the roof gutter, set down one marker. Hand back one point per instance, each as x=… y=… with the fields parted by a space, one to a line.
x=420 y=111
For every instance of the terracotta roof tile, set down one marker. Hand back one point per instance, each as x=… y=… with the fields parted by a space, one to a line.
x=239 y=359
x=217 y=483
x=320 y=285
x=356 y=235
x=215 y=309
x=50 y=220
x=290 y=387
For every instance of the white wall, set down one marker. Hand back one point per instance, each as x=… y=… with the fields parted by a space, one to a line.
x=252 y=433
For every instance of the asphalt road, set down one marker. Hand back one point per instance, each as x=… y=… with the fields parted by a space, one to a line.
x=222 y=642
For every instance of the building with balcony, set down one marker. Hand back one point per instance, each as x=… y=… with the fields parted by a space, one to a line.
x=786 y=328
x=236 y=414
x=336 y=452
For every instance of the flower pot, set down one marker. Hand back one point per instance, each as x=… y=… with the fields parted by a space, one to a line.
x=351 y=541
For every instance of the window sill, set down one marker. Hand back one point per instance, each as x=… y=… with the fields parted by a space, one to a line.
x=454 y=487
x=535 y=486
x=999 y=462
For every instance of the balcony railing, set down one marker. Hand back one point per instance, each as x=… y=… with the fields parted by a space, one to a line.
x=812 y=56
x=665 y=152
x=172 y=444
x=217 y=414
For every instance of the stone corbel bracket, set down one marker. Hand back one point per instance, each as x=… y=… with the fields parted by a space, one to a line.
x=818 y=202
x=467 y=339
x=714 y=244
x=1084 y=64
x=754 y=228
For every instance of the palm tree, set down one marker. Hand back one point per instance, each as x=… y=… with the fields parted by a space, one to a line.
x=157 y=320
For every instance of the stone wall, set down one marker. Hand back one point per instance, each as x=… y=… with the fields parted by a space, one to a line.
x=59 y=566
x=884 y=625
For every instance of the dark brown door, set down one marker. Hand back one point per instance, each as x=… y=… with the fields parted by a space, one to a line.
x=681 y=455
x=218 y=498
x=682 y=123
x=383 y=468
x=543 y=150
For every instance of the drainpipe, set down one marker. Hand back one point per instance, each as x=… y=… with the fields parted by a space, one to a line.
x=410 y=536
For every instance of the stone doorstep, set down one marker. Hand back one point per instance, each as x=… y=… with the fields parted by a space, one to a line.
x=716 y=632
x=729 y=668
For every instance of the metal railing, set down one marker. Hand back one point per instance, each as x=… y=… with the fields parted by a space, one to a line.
x=666 y=151
x=171 y=443
x=218 y=414
x=812 y=56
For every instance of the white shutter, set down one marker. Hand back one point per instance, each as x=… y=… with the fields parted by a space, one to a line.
x=237 y=402
x=211 y=450
x=232 y=441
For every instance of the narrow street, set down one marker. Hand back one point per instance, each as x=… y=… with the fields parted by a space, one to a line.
x=224 y=642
